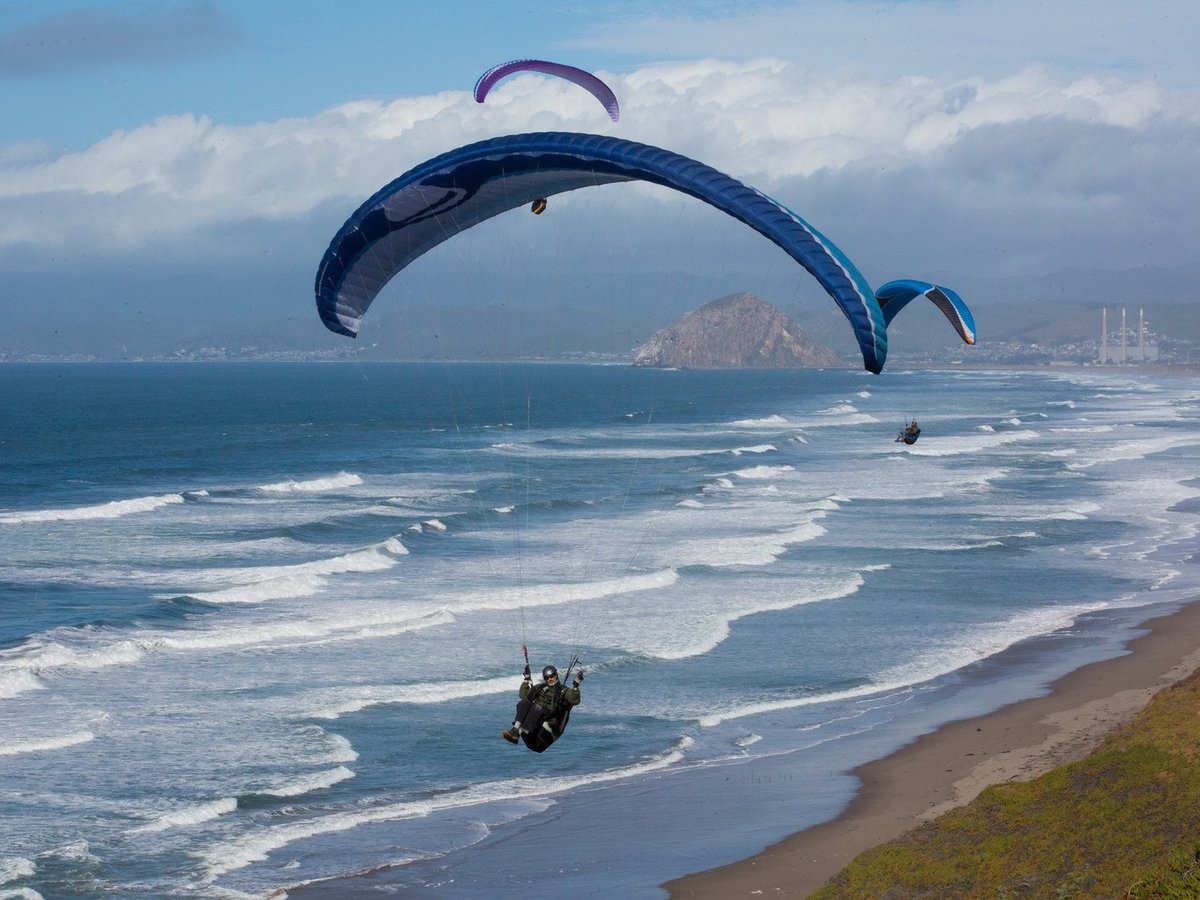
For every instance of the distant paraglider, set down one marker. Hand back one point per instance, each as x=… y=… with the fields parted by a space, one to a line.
x=895 y=295
x=585 y=80
x=909 y=435
x=446 y=195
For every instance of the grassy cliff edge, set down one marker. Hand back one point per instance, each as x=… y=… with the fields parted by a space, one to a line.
x=1123 y=822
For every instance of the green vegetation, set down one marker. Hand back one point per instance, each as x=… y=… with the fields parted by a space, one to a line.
x=1125 y=822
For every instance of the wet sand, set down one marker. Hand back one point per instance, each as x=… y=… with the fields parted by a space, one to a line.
x=952 y=765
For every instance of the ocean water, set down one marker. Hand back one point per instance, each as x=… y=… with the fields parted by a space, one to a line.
x=261 y=624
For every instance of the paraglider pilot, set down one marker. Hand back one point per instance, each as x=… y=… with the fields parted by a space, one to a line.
x=541 y=705
x=911 y=432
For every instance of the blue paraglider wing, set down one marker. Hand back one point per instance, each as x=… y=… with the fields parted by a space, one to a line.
x=459 y=189
x=895 y=295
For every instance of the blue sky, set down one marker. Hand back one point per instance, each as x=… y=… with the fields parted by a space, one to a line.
x=75 y=71
x=975 y=138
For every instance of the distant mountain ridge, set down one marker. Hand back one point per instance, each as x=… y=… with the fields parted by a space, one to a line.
x=1058 y=307
x=739 y=331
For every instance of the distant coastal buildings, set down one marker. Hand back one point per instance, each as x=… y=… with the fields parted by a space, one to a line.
x=1119 y=349
x=1122 y=337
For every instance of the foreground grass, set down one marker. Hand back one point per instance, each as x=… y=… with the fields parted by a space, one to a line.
x=1125 y=822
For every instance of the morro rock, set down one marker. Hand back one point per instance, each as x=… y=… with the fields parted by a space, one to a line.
x=740 y=331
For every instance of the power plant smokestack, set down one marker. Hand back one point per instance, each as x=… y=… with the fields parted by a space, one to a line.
x=1104 y=337
x=1122 y=360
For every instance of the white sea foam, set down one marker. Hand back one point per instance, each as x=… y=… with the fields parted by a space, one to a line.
x=755 y=709
x=948 y=656
x=758 y=472
x=848 y=419
x=323 y=747
x=953 y=652
x=757 y=448
x=383 y=621
x=259 y=584
x=287 y=587
x=376 y=558
x=317 y=781
x=387 y=509
x=338 y=748
x=1139 y=449
x=829 y=504
x=14 y=867
x=255 y=846
x=678 y=627
x=768 y=422
x=333 y=703
x=555 y=593
x=20 y=670
x=331 y=483
x=1067 y=512
x=640 y=451
x=41 y=745
x=111 y=510
x=842 y=414
x=760 y=549
x=194 y=814
x=948 y=545
x=900 y=477
x=17 y=682
x=955 y=446
x=79 y=851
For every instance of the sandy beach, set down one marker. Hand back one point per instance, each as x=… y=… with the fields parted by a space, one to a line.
x=953 y=764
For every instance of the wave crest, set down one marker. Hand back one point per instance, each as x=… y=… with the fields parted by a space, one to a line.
x=114 y=509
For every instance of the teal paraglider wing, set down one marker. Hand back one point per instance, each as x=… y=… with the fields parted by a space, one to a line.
x=895 y=295
x=448 y=194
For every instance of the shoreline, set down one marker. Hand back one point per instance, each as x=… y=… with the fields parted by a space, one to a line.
x=952 y=764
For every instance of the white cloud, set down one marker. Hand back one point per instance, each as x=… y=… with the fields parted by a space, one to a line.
x=948 y=39
x=775 y=125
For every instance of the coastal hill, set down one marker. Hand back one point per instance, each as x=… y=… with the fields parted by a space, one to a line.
x=734 y=332
x=1121 y=822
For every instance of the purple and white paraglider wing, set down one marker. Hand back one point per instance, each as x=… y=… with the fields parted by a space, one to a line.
x=585 y=80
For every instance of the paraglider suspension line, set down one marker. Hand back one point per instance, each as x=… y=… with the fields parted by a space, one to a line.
x=573 y=664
